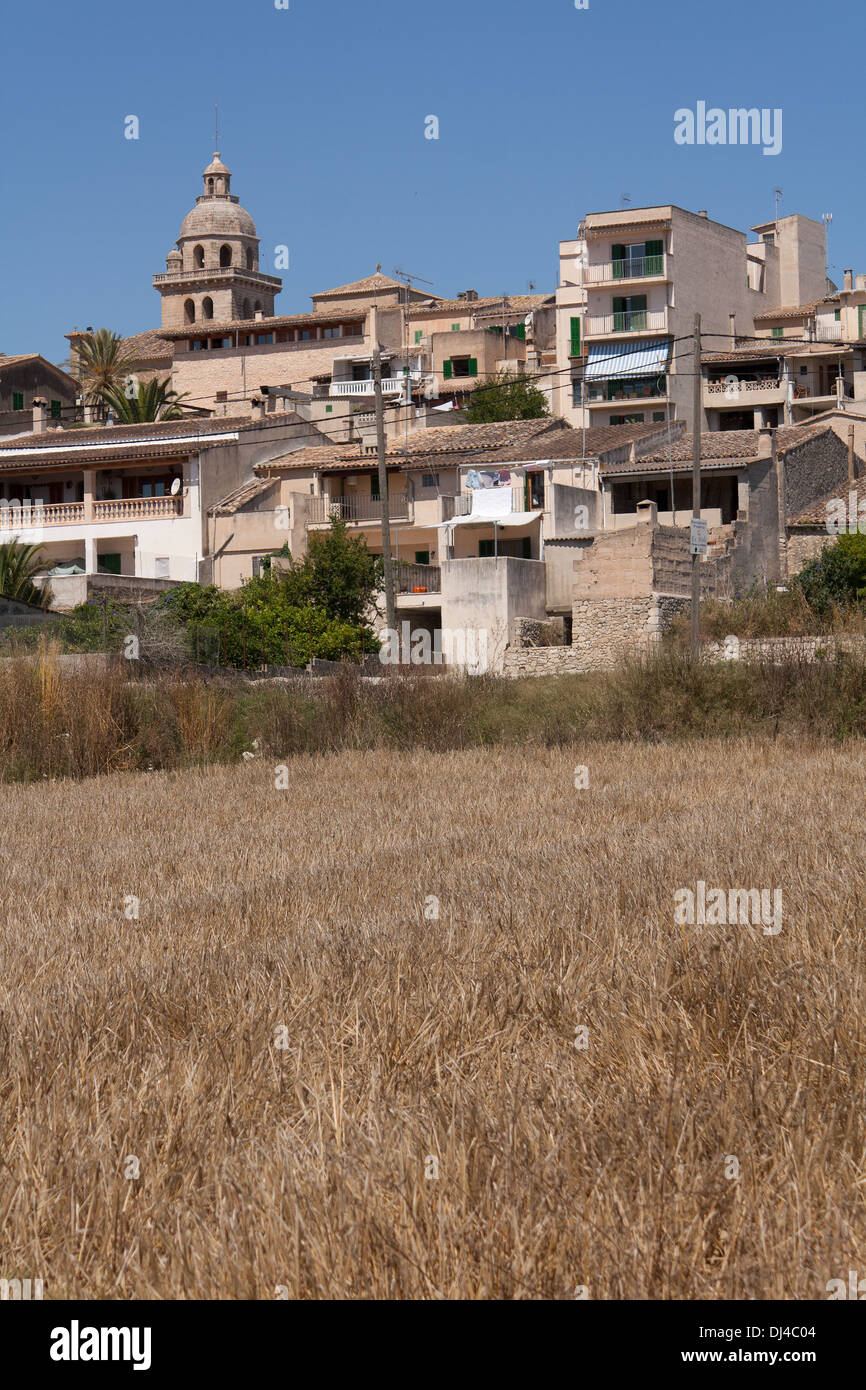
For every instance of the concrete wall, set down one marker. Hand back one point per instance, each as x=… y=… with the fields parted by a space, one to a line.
x=489 y=595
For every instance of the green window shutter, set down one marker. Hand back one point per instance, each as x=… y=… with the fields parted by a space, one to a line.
x=56 y=410
x=419 y=334
x=617 y=253
x=17 y=400
x=455 y=328
x=520 y=332
x=374 y=487
x=778 y=332
x=575 y=337
x=637 y=302
x=838 y=315
x=447 y=370
x=473 y=366
x=654 y=254
x=422 y=557
x=618 y=304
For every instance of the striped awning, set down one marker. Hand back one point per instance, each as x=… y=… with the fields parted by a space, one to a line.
x=621 y=359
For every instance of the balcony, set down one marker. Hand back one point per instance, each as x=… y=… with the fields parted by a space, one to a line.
x=137 y=508
x=417 y=579
x=216 y=272
x=451 y=505
x=633 y=268
x=744 y=387
x=37 y=515
x=391 y=386
x=324 y=510
x=829 y=333
x=654 y=390
x=628 y=321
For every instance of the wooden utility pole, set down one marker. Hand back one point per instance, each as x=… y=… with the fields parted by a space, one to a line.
x=388 y=571
x=696 y=488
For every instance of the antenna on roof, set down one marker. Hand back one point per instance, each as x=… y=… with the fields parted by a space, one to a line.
x=624 y=199
x=778 y=194
x=216 y=126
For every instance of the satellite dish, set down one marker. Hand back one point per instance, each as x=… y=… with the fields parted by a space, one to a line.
x=175 y=487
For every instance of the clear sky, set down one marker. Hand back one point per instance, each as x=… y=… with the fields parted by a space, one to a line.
x=545 y=112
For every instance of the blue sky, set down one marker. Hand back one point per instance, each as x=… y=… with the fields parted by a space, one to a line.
x=545 y=112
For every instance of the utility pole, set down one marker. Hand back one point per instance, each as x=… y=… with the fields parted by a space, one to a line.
x=696 y=488
x=388 y=572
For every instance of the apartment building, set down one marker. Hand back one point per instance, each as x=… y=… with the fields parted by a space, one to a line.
x=630 y=285
x=131 y=500
x=800 y=361
x=28 y=381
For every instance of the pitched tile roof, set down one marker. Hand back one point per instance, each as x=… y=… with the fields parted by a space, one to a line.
x=368 y=285
x=206 y=328
x=719 y=448
x=451 y=446
x=777 y=347
x=788 y=311
x=237 y=499
x=162 y=439
x=816 y=513
x=148 y=346
x=489 y=306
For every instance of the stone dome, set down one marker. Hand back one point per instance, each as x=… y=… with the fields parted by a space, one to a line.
x=217 y=217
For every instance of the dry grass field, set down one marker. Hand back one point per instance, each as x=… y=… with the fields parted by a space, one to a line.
x=249 y=1091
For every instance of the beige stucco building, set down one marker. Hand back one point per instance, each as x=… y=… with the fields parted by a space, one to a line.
x=631 y=283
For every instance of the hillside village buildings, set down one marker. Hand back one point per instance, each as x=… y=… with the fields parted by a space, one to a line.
x=490 y=524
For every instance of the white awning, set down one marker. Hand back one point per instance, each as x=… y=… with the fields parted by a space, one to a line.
x=619 y=360
x=508 y=519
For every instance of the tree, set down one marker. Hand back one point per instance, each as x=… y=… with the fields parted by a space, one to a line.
x=837 y=575
x=153 y=400
x=506 y=397
x=19 y=564
x=101 y=363
x=338 y=574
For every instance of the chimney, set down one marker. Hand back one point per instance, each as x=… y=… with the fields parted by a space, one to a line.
x=702 y=212
x=732 y=324
x=849 y=279
x=259 y=315
x=40 y=415
x=765 y=442
x=257 y=408
x=851 y=469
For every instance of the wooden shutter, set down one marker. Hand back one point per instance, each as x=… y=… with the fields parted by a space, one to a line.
x=447 y=370
x=473 y=366
x=617 y=252
x=575 y=337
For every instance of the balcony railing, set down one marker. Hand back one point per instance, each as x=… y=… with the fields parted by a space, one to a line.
x=391 y=385
x=364 y=508
x=600 y=395
x=72 y=513
x=631 y=268
x=829 y=332
x=764 y=383
x=628 y=321
x=418 y=579
x=217 y=272
x=137 y=508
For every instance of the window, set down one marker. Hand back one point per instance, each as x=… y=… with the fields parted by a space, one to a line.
x=198 y=257
x=225 y=256
x=576 y=393
x=429 y=479
x=658 y=417
x=626 y=419
x=837 y=315
x=220 y=342
x=261 y=565
x=332 y=332
x=207 y=308
x=460 y=366
x=189 y=311
x=485 y=549
x=778 y=332
x=455 y=328
x=328 y=409
x=422 y=557
x=642 y=258
x=262 y=339
x=222 y=395
x=249 y=260
x=804 y=371
x=56 y=409
x=374 y=487
x=108 y=564
x=629 y=313
x=419 y=334
x=17 y=400
x=305 y=334
x=199 y=344
x=575 y=337
x=361 y=371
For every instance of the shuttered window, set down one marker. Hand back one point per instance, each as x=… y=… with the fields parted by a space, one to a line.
x=575 y=337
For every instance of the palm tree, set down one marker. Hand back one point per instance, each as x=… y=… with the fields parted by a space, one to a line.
x=101 y=363
x=18 y=566
x=153 y=400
